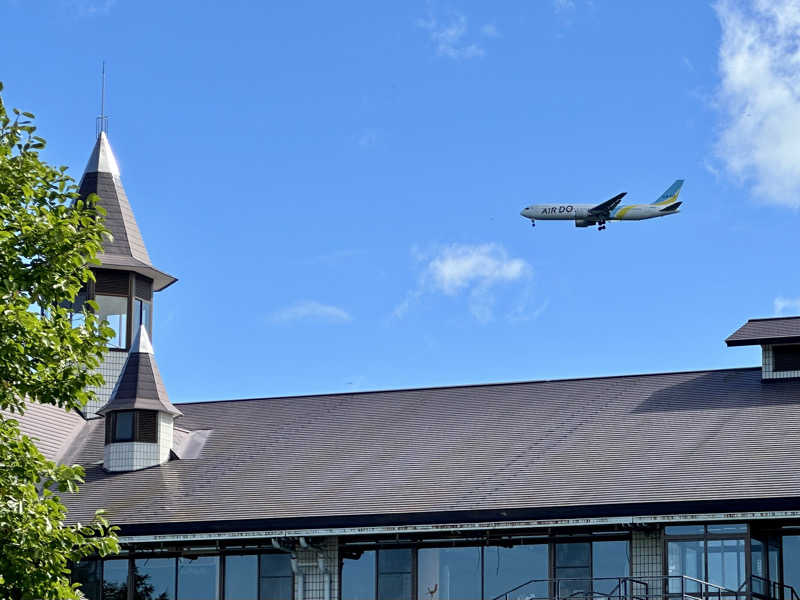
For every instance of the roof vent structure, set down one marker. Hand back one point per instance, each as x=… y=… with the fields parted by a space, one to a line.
x=779 y=338
x=139 y=418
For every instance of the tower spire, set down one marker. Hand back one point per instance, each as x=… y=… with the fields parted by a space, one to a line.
x=102 y=119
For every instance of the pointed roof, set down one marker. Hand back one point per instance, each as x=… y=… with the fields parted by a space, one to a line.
x=139 y=385
x=126 y=251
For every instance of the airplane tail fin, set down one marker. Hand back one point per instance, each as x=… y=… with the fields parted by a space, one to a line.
x=671 y=195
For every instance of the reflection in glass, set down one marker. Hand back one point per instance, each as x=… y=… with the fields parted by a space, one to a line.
x=123 y=426
x=277 y=579
x=142 y=311
x=610 y=559
x=358 y=577
x=685 y=529
x=758 y=565
x=198 y=578
x=727 y=528
x=115 y=579
x=726 y=563
x=114 y=309
x=573 y=568
x=154 y=579
x=449 y=573
x=241 y=577
x=506 y=568
x=87 y=573
x=686 y=558
x=394 y=574
x=791 y=561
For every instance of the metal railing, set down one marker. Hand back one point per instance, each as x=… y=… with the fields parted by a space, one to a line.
x=764 y=588
x=670 y=587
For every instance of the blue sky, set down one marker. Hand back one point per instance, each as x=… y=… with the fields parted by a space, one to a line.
x=338 y=185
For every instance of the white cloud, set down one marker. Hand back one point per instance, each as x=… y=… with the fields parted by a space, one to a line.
x=563 y=5
x=786 y=306
x=490 y=31
x=309 y=309
x=472 y=270
x=759 y=61
x=449 y=38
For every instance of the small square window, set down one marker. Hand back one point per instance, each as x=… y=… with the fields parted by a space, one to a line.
x=786 y=358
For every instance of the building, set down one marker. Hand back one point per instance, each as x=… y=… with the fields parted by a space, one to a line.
x=646 y=486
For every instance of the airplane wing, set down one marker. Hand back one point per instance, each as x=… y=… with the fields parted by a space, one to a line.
x=605 y=208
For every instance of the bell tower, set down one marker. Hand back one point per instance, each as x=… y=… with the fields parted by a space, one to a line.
x=126 y=279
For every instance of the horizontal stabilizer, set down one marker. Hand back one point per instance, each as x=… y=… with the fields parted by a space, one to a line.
x=671 y=207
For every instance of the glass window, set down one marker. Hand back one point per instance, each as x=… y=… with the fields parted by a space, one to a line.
x=791 y=561
x=198 y=578
x=277 y=579
x=87 y=573
x=505 y=569
x=610 y=559
x=241 y=577
x=727 y=528
x=142 y=313
x=686 y=558
x=394 y=574
x=358 y=577
x=574 y=568
x=154 y=579
x=726 y=563
x=123 y=426
x=449 y=573
x=685 y=529
x=115 y=579
x=114 y=309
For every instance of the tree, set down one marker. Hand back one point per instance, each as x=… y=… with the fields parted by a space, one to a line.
x=49 y=237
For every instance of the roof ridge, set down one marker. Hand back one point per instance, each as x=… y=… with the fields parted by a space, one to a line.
x=774 y=318
x=470 y=385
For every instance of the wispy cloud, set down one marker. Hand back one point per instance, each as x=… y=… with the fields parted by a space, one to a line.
x=563 y=5
x=450 y=37
x=759 y=61
x=89 y=8
x=490 y=31
x=474 y=271
x=309 y=309
x=367 y=138
x=785 y=306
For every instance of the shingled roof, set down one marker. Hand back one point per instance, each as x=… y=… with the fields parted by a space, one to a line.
x=547 y=448
x=127 y=249
x=140 y=385
x=776 y=330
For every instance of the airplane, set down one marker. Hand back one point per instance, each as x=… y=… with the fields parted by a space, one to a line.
x=587 y=215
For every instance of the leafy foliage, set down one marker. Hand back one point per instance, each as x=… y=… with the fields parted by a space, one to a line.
x=48 y=239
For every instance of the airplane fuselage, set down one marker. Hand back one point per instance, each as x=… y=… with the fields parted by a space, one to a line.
x=586 y=215
x=575 y=212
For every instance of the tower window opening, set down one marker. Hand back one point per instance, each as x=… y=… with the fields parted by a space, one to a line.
x=132 y=426
x=786 y=358
x=114 y=309
x=143 y=314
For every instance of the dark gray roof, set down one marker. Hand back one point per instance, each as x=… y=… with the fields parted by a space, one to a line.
x=777 y=330
x=127 y=249
x=52 y=428
x=674 y=437
x=140 y=385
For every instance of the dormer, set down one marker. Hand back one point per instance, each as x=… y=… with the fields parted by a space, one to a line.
x=139 y=418
x=779 y=338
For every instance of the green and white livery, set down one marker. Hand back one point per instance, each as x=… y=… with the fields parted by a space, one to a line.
x=587 y=215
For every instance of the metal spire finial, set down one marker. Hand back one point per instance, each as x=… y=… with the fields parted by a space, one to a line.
x=102 y=120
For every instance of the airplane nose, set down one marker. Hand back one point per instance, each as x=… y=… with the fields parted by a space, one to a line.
x=523 y=211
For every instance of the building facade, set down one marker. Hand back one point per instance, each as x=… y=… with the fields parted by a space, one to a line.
x=668 y=485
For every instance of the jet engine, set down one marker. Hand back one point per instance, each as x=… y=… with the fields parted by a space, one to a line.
x=584 y=223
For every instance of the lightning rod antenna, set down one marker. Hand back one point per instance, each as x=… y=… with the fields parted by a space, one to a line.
x=102 y=120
